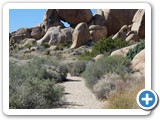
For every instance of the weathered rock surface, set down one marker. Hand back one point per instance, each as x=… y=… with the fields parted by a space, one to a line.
x=37 y=32
x=51 y=19
x=75 y=16
x=21 y=34
x=122 y=51
x=132 y=37
x=114 y=19
x=122 y=33
x=98 y=57
x=138 y=62
x=97 y=32
x=80 y=36
x=139 y=23
x=56 y=35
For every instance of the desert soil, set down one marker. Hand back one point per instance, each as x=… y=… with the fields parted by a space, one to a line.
x=78 y=96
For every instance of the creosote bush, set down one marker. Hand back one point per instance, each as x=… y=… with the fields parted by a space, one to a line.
x=33 y=85
x=132 y=52
x=105 y=45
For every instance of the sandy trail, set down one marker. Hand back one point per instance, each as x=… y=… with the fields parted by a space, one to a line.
x=78 y=96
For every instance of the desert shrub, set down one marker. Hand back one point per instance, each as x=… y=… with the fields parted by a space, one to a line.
x=103 y=88
x=22 y=56
x=47 y=68
x=87 y=55
x=105 y=45
x=77 y=68
x=132 y=52
x=47 y=52
x=108 y=45
x=111 y=64
x=46 y=45
x=66 y=44
x=33 y=93
x=32 y=86
x=111 y=83
x=125 y=99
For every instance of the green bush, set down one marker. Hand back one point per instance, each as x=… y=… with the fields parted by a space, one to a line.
x=108 y=45
x=105 y=45
x=87 y=55
x=112 y=64
x=77 y=68
x=33 y=85
x=46 y=45
x=132 y=52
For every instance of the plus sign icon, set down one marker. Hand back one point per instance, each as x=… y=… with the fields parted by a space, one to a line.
x=147 y=99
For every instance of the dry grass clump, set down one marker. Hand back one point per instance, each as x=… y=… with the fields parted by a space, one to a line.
x=125 y=99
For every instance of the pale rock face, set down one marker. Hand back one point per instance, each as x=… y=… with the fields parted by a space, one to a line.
x=97 y=32
x=56 y=35
x=80 y=35
x=98 y=57
x=139 y=23
x=122 y=51
x=138 y=62
x=75 y=16
x=132 y=37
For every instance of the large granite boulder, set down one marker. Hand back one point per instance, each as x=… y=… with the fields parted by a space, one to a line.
x=114 y=19
x=80 y=35
x=122 y=51
x=139 y=23
x=37 y=32
x=21 y=34
x=75 y=16
x=97 y=32
x=51 y=19
x=138 y=62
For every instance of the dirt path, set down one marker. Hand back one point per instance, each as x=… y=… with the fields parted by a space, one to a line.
x=78 y=95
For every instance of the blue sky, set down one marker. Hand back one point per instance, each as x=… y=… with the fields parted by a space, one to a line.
x=19 y=18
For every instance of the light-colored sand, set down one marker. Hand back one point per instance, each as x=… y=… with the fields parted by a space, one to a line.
x=78 y=96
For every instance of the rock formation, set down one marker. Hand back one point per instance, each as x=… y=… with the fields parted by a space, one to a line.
x=56 y=35
x=51 y=19
x=75 y=16
x=122 y=51
x=97 y=32
x=81 y=35
x=37 y=32
x=114 y=19
x=139 y=23
x=138 y=62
